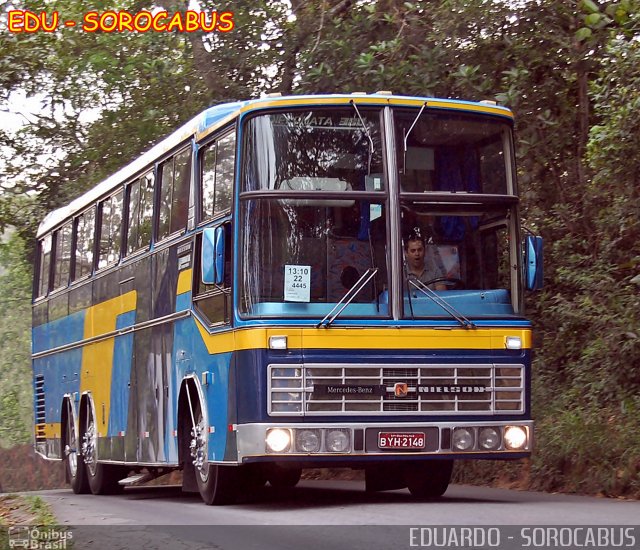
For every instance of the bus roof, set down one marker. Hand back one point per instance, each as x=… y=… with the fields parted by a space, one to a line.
x=214 y=117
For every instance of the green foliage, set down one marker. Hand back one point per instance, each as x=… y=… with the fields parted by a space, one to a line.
x=15 y=327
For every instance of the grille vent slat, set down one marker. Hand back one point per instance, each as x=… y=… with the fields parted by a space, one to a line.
x=40 y=407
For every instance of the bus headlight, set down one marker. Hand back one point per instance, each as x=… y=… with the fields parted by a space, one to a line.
x=489 y=439
x=278 y=440
x=338 y=441
x=515 y=437
x=308 y=441
x=462 y=439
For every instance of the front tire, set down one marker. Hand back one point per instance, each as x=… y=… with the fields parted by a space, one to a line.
x=282 y=477
x=429 y=479
x=217 y=484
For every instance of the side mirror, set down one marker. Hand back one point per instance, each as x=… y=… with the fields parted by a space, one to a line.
x=212 y=258
x=533 y=269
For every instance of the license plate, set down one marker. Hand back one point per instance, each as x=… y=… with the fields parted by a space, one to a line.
x=401 y=440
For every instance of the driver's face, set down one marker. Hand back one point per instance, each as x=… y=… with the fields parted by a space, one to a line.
x=415 y=254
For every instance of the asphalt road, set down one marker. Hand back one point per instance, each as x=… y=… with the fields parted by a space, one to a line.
x=340 y=514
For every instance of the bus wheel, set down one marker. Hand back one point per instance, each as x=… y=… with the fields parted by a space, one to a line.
x=282 y=477
x=75 y=469
x=103 y=478
x=429 y=479
x=217 y=484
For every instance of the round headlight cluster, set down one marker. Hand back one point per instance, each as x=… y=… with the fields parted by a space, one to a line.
x=490 y=438
x=308 y=440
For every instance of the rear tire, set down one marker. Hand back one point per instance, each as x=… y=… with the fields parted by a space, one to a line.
x=102 y=478
x=75 y=469
x=429 y=479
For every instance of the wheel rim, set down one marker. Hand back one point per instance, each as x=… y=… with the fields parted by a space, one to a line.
x=198 y=448
x=72 y=446
x=89 y=444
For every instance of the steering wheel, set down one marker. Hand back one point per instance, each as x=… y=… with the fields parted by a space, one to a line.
x=449 y=281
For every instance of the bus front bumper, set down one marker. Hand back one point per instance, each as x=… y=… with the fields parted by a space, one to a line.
x=347 y=441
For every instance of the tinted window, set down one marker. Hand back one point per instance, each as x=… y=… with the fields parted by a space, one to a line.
x=85 y=231
x=110 y=230
x=218 y=161
x=140 y=213
x=45 y=263
x=63 y=256
x=174 y=193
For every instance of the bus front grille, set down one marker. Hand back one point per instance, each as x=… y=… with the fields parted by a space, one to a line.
x=437 y=389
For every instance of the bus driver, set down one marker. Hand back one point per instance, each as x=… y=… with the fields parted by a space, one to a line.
x=421 y=266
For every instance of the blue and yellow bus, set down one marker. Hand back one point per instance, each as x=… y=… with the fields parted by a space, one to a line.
x=237 y=302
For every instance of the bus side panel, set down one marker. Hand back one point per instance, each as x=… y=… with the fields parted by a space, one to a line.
x=213 y=372
x=100 y=357
x=139 y=275
x=120 y=386
x=60 y=374
x=154 y=372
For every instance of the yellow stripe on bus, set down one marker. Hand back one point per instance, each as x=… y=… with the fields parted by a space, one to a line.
x=364 y=338
x=97 y=358
x=49 y=431
x=184 y=281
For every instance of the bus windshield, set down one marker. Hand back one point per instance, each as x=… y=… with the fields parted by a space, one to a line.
x=302 y=253
x=315 y=215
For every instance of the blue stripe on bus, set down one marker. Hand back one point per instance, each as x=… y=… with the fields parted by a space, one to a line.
x=121 y=375
x=372 y=323
x=59 y=332
x=62 y=376
x=183 y=301
x=62 y=370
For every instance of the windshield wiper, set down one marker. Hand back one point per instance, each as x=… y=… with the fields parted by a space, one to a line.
x=417 y=283
x=406 y=137
x=366 y=131
x=348 y=297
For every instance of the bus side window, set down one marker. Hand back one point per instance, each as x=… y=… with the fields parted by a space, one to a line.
x=85 y=232
x=224 y=173
x=140 y=213
x=110 y=230
x=44 y=265
x=217 y=166
x=174 y=193
x=62 y=263
x=214 y=301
